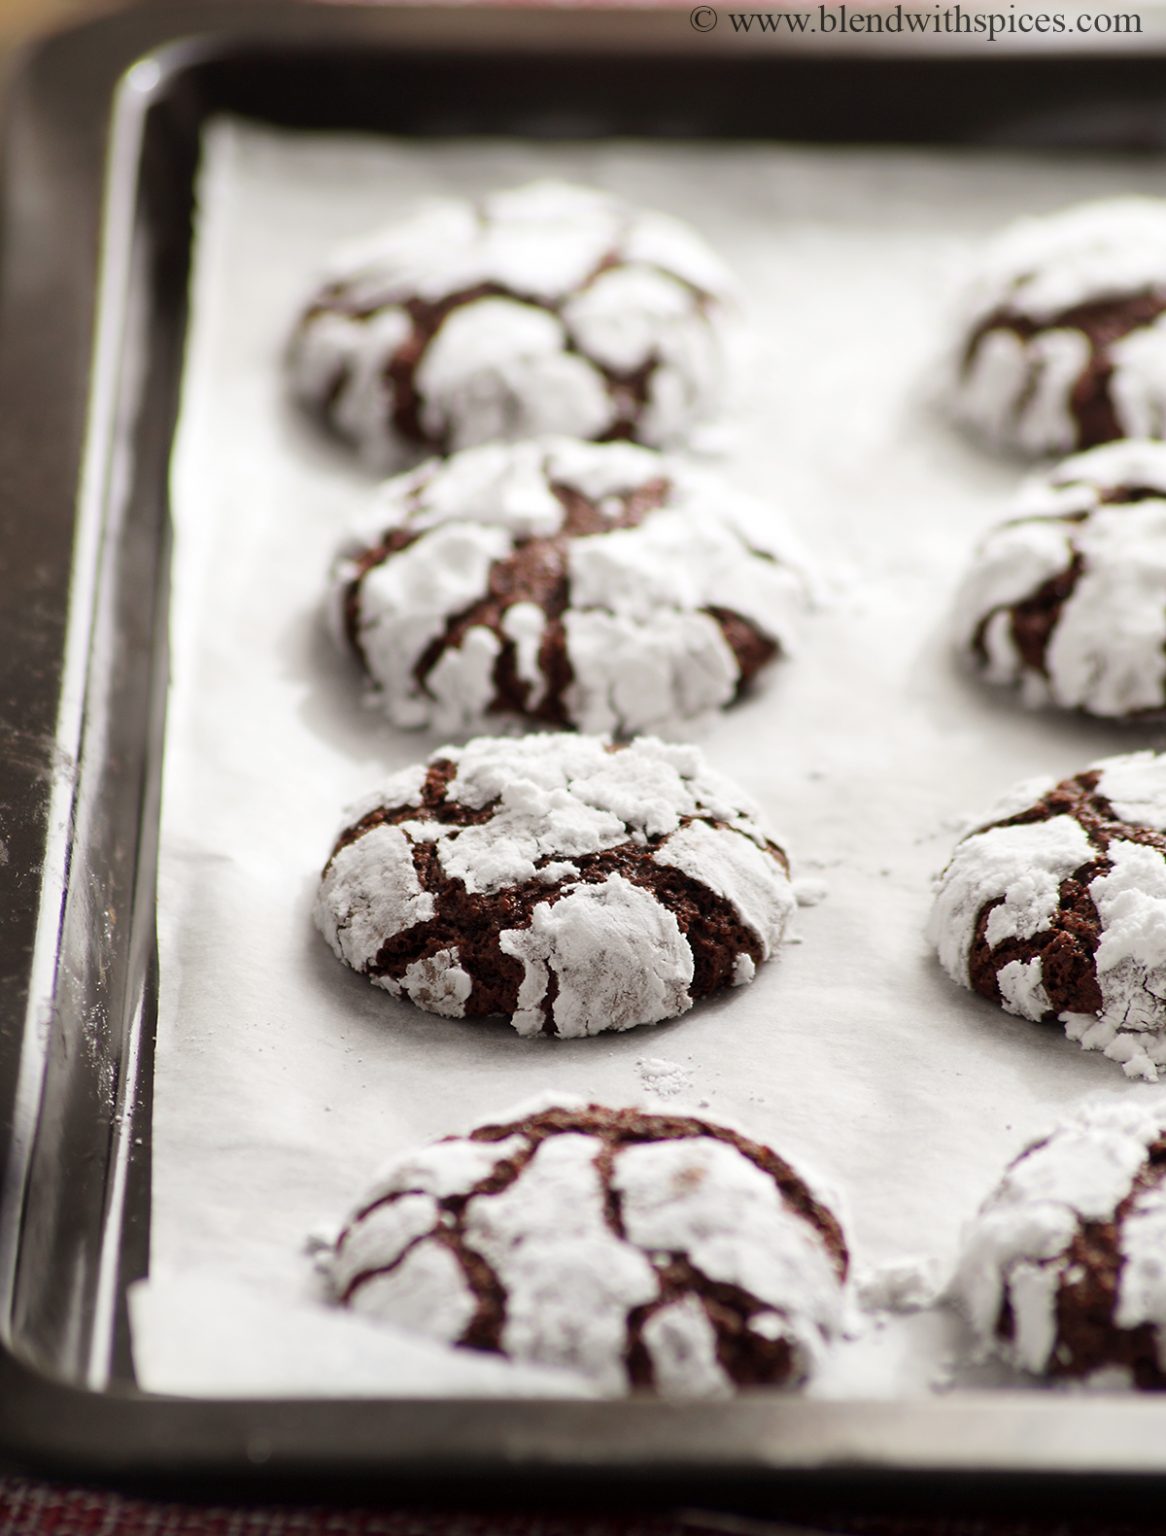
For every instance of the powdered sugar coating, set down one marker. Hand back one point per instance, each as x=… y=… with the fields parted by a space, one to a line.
x=569 y=885
x=1062 y=1270
x=654 y=1252
x=1067 y=600
x=599 y=585
x=547 y=309
x=1060 y=330
x=1056 y=909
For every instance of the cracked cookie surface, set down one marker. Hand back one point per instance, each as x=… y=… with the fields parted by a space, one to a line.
x=550 y=308
x=1063 y=330
x=649 y=1252
x=567 y=884
x=1061 y=1270
x=604 y=586
x=1055 y=909
x=1067 y=599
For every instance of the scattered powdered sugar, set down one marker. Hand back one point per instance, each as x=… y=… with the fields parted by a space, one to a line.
x=663 y=1078
x=1017 y=1256
x=529 y=312
x=900 y=1286
x=631 y=635
x=511 y=859
x=1067 y=600
x=632 y=1250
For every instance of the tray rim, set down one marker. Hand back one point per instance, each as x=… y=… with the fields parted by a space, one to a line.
x=745 y=1450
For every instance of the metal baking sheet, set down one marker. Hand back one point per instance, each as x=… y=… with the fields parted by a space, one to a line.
x=85 y=446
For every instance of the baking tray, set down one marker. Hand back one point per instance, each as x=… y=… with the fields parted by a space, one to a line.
x=101 y=150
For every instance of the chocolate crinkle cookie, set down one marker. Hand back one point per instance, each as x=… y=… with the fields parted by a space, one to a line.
x=1061 y=1272
x=568 y=884
x=1067 y=600
x=548 y=309
x=604 y=586
x=645 y=1252
x=1063 y=335
x=1056 y=909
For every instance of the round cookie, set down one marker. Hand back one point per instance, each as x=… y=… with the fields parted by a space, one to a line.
x=1056 y=908
x=1063 y=330
x=600 y=585
x=570 y=885
x=647 y=1252
x=547 y=309
x=1067 y=599
x=1061 y=1272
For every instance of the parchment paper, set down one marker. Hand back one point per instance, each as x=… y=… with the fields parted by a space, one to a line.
x=283 y=1079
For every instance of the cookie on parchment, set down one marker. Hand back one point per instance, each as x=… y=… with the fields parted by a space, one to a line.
x=547 y=309
x=647 y=1252
x=601 y=585
x=569 y=885
x=1061 y=1273
x=1055 y=909
x=1063 y=330
x=1067 y=599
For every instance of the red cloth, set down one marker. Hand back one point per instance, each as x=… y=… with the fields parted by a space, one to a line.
x=29 y=1508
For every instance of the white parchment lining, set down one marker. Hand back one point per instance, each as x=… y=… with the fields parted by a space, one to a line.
x=282 y=1079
